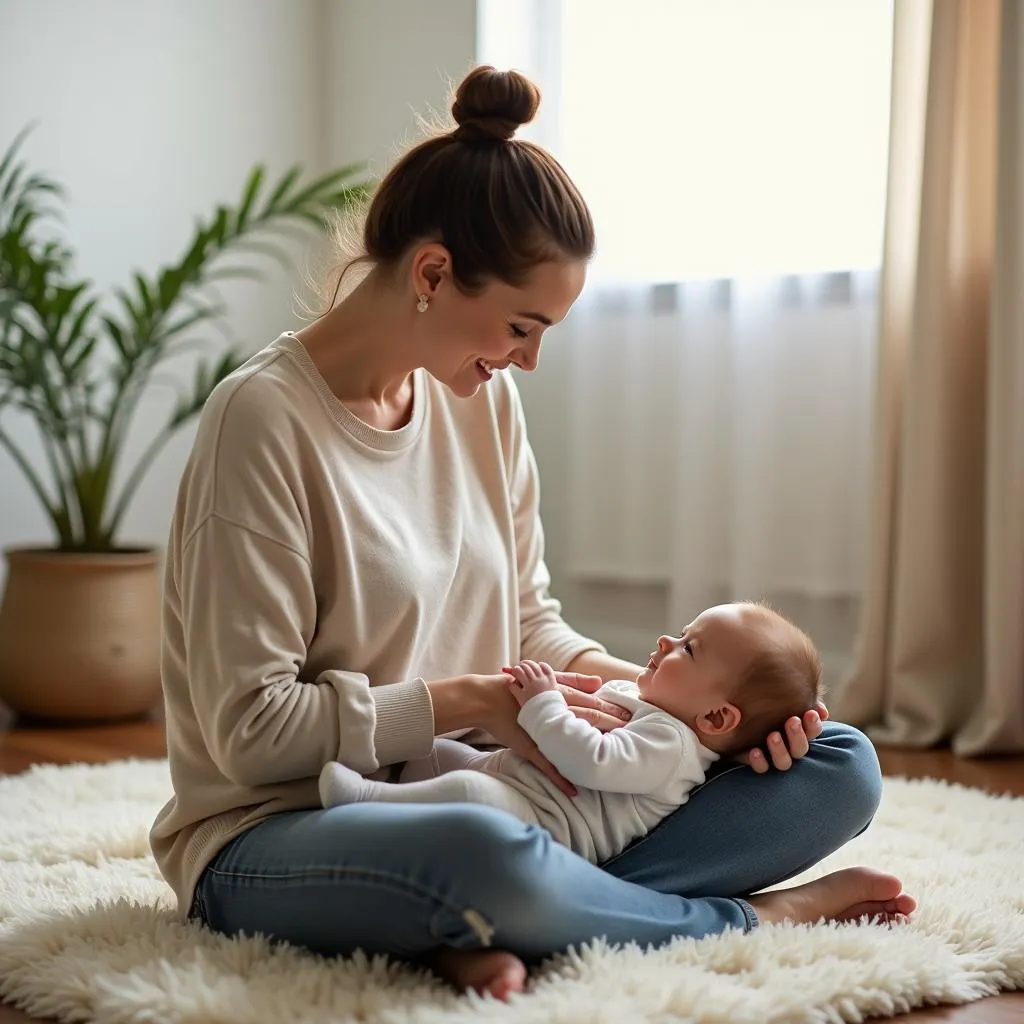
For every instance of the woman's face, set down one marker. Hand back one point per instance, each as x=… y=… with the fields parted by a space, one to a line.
x=467 y=338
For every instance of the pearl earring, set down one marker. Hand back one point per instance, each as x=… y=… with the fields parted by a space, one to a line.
x=423 y=304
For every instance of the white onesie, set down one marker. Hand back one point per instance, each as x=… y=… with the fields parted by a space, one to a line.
x=628 y=779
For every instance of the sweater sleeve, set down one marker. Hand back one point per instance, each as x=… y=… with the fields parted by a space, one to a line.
x=637 y=758
x=248 y=613
x=545 y=634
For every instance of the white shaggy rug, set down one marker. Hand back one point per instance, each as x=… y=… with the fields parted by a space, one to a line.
x=87 y=934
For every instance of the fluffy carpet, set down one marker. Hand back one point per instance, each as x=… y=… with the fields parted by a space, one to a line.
x=87 y=934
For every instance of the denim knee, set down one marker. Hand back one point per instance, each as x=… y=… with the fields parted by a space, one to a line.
x=504 y=853
x=500 y=877
x=855 y=776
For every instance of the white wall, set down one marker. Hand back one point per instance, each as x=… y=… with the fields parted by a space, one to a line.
x=150 y=113
x=388 y=61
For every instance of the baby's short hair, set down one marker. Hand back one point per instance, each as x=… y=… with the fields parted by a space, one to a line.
x=781 y=680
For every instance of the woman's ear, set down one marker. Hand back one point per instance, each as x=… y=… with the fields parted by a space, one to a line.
x=720 y=720
x=431 y=264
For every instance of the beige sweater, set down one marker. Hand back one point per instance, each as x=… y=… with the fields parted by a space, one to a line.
x=318 y=571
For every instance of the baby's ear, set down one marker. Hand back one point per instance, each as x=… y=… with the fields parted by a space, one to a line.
x=720 y=720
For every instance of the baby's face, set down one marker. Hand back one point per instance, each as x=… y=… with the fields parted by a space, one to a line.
x=693 y=673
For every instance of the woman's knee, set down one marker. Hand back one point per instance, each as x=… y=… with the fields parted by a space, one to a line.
x=491 y=840
x=854 y=776
x=513 y=858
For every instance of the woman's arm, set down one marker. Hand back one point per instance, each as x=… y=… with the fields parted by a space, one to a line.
x=460 y=702
x=248 y=612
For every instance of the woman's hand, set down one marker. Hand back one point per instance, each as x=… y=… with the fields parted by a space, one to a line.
x=577 y=689
x=783 y=752
x=498 y=714
x=529 y=678
x=484 y=702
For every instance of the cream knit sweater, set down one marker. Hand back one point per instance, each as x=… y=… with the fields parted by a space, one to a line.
x=318 y=571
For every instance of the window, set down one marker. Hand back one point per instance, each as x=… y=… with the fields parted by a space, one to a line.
x=720 y=137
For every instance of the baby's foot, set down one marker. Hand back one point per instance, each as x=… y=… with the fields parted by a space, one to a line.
x=487 y=971
x=340 y=785
x=846 y=895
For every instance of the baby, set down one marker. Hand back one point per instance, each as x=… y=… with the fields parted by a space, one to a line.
x=736 y=673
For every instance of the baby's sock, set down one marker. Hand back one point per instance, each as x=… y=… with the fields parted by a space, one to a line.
x=340 y=785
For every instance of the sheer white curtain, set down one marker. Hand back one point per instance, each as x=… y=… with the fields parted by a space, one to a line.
x=720 y=396
x=725 y=428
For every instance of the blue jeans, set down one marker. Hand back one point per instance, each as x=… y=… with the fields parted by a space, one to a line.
x=405 y=879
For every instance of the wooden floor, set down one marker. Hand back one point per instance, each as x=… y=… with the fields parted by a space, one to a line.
x=22 y=745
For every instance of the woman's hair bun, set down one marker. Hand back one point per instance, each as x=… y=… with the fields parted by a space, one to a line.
x=490 y=105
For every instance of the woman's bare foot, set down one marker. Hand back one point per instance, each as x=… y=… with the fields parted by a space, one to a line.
x=846 y=895
x=487 y=971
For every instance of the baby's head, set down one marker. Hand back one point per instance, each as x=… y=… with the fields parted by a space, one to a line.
x=736 y=673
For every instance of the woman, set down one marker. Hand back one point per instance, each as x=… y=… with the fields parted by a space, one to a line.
x=356 y=550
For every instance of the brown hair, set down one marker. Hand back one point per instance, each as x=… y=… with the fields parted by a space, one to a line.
x=781 y=680
x=500 y=205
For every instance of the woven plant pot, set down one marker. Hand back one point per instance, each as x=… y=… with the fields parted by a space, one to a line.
x=80 y=634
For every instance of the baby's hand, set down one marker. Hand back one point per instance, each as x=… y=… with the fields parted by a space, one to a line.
x=529 y=678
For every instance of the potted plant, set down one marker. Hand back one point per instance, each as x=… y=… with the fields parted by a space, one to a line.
x=80 y=619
